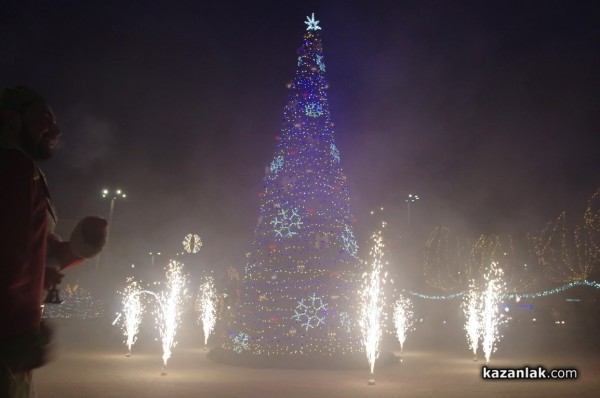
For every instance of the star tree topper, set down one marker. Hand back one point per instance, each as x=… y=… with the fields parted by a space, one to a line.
x=312 y=24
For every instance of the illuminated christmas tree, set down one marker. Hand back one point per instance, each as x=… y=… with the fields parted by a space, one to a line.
x=300 y=291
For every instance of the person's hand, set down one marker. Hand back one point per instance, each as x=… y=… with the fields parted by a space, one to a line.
x=89 y=236
x=94 y=230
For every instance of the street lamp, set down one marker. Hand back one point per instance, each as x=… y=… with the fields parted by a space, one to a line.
x=113 y=195
x=412 y=198
x=152 y=255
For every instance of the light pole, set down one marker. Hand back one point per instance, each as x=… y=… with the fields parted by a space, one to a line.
x=412 y=198
x=152 y=255
x=113 y=195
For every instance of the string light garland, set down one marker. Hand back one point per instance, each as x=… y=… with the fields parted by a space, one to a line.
x=544 y=293
x=78 y=304
x=570 y=255
x=451 y=261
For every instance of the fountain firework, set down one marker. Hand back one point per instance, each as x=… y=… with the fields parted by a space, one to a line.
x=207 y=300
x=491 y=317
x=403 y=318
x=372 y=303
x=472 y=311
x=168 y=315
x=133 y=309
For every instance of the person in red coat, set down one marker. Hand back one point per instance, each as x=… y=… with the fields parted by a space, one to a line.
x=31 y=255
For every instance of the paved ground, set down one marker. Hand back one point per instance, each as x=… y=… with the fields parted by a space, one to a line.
x=85 y=370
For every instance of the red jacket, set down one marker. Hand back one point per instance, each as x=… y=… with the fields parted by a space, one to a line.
x=25 y=208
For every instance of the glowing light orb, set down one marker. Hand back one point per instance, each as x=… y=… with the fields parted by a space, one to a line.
x=371 y=312
x=192 y=243
x=207 y=304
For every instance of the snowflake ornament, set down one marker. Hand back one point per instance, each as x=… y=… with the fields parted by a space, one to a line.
x=320 y=62
x=350 y=242
x=241 y=342
x=345 y=321
x=192 y=243
x=312 y=24
x=335 y=152
x=276 y=164
x=285 y=223
x=310 y=312
x=313 y=109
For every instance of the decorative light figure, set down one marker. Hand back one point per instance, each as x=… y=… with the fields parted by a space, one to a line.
x=133 y=309
x=472 y=311
x=403 y=319
x=335 y=152
x=241 y=342
x=192 y=243
x=349 y=241
x=168 y=315
x=314 y=110
x=283 y=226
x=207 y=303
x=491 y=316
x=371 y=313
x=308 y=314
x=312 y=24
x=276 y=164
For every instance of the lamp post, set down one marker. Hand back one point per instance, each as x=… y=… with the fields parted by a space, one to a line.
x=152 y=255
x=114 y=195
x=412 y=198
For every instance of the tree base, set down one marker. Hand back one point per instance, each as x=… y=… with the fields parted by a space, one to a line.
x=314 y=361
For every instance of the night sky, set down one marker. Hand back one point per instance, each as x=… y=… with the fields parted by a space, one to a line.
x=489 y=110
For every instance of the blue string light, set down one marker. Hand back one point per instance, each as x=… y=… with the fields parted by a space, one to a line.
x=544 y=293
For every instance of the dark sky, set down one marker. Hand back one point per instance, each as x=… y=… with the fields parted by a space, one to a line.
x=489 y=110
